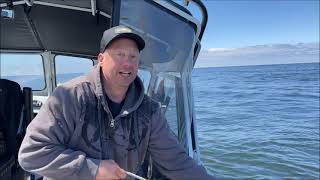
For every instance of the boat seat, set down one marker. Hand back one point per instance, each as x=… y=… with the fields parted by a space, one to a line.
x=13 y=108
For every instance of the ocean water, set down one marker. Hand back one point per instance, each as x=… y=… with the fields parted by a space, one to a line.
x=254 y=122
x=259 y=122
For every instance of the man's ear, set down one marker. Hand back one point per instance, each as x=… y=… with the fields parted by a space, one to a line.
x=100 y=58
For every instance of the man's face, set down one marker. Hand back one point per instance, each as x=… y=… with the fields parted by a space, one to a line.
x=120 y=62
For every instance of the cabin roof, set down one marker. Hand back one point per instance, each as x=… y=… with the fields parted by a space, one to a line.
x=75 y=27
x=35 y=27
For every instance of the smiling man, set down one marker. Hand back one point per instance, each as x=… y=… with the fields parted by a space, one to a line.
x=98 y=126
x=119 y=63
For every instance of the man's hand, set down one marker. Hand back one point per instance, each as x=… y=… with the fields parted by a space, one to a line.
x=110 y=170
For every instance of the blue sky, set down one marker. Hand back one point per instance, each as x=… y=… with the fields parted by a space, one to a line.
x=235 y=24
x=260 y=32
x=256 y=32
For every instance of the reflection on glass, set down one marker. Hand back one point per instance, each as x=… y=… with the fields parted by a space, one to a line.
x=145 y=77
x=165 y=93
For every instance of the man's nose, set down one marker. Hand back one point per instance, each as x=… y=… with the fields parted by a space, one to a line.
x=127 y=61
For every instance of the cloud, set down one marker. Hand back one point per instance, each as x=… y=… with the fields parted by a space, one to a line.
x=259 y=54
x=219 y=49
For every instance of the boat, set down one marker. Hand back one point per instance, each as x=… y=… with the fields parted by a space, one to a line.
x=47 y=42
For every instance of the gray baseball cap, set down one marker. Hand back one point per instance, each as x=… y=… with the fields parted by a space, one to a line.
x=121 y=31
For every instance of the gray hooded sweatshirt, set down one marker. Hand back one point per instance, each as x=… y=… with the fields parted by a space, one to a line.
x=75 y=129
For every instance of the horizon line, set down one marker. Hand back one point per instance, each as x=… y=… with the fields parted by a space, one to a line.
x=255 y=65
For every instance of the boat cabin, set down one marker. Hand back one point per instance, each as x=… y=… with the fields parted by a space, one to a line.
x=44 y=43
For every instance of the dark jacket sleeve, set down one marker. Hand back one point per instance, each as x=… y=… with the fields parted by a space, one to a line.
x=168 y=154
x=44 y=149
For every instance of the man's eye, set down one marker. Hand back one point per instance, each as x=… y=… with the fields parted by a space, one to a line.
x=121 y=54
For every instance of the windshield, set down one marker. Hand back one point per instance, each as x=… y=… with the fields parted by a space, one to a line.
x=25 y=69
x=69 y=67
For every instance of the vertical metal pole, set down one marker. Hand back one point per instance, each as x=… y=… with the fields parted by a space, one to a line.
x=115 y=19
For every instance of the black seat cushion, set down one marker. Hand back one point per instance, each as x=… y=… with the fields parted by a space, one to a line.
x=11 y=102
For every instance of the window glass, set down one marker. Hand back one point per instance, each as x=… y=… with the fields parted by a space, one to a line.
x=145 y=77
x=165 y=94
x=69 y=67
x=23 y=68
x=171 y=106
x=165 y=45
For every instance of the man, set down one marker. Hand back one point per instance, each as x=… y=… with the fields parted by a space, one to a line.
x=100 y=125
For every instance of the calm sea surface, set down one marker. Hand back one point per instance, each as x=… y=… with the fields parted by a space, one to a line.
x=259 y=122
x=254 y=122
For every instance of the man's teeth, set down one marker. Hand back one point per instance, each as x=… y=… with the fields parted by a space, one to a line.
x=125 y=73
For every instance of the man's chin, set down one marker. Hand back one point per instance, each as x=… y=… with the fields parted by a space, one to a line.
x=125 y=83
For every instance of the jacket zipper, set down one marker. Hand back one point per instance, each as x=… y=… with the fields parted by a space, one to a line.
x=112 y=123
